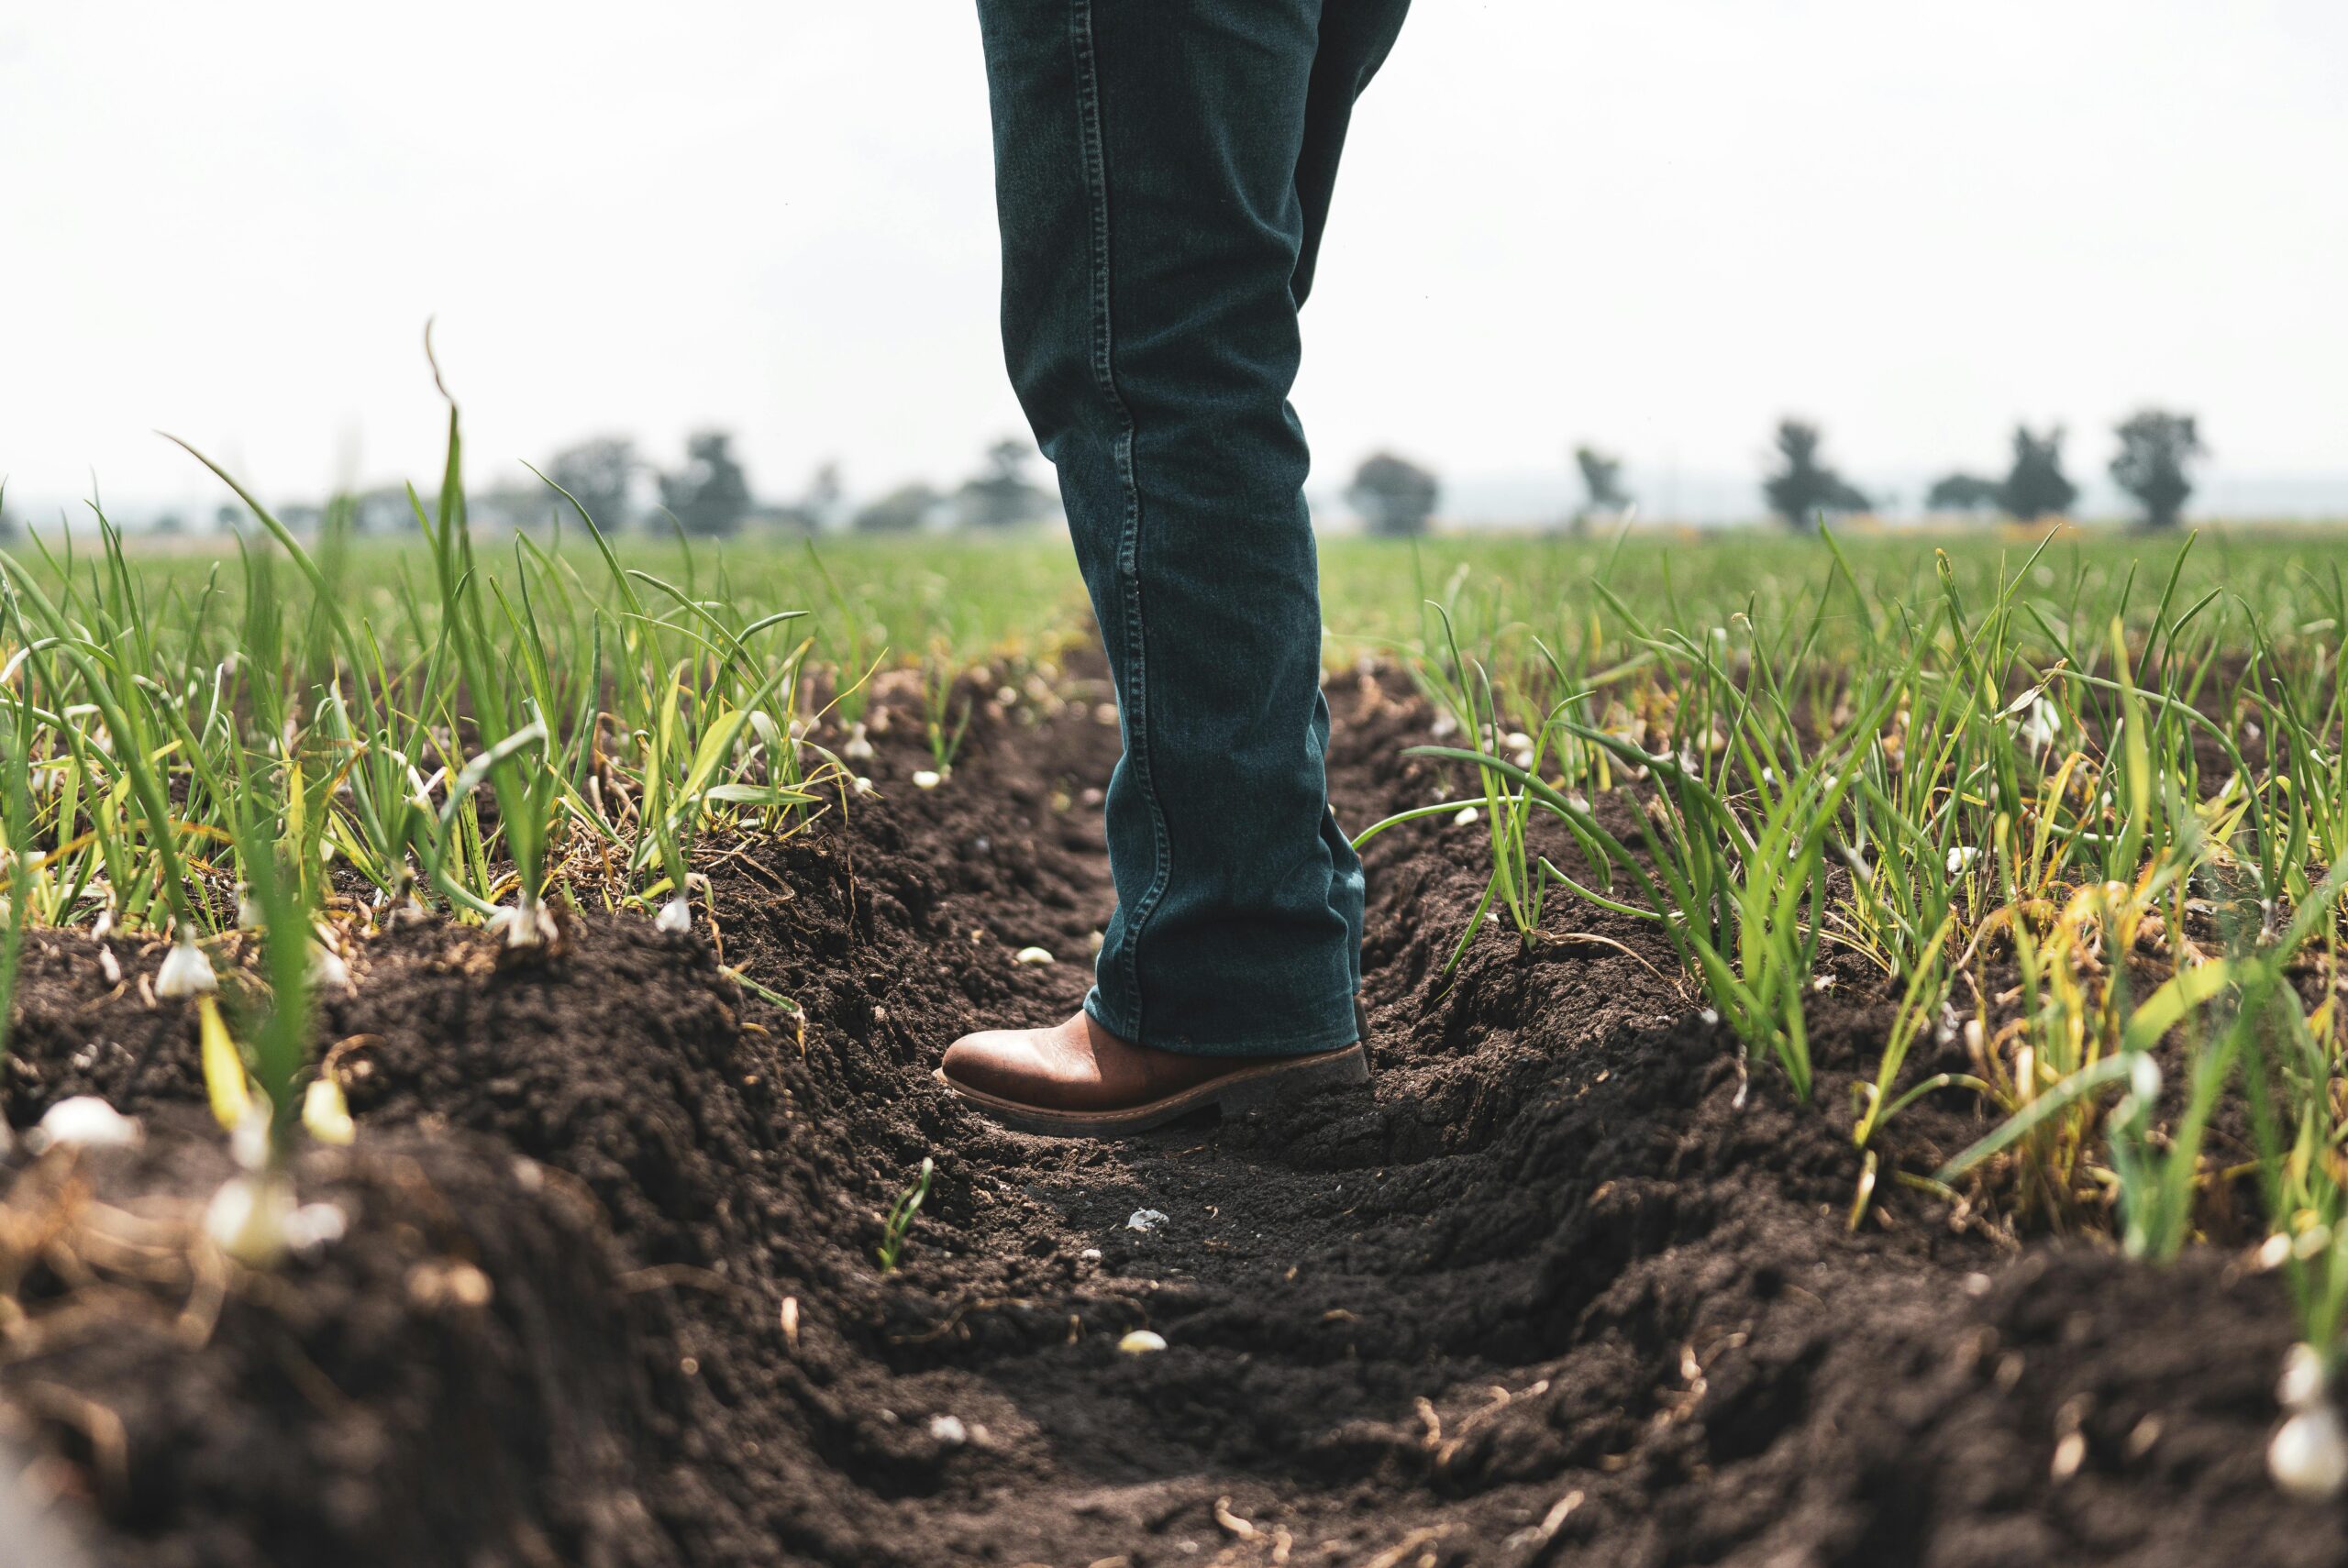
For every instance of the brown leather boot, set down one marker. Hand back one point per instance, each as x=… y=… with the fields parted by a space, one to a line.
x=1076 y=1079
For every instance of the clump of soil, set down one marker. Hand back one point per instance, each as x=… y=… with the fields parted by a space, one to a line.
x=1566 y=1283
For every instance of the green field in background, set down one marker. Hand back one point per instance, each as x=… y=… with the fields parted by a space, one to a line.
x=977 y=597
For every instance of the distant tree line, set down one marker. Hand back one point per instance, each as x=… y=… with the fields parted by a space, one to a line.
x=2155 y=446
x=2034 y=485
x=709 y=496
x=1395 y=496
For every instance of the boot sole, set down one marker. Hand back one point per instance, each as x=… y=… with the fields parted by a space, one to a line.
x=1251 y=1088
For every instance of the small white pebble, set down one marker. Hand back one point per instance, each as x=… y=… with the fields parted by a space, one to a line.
x=1032 y=955
x=1091 y=1254
x=315 y=1227
x=1468 y=816
x=1145 y=1221
x=928 y=778
x=85 y=1121
x=109 y=966
x=1141 y=1341
x=949 y=1430
x=1960 y=857
x=1977 y=1285
x=328 y=971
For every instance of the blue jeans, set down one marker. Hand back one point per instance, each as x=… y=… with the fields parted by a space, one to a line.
x=1162 y=172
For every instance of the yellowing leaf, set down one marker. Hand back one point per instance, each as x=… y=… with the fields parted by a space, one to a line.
x=224 y=1065
x=326 y=1113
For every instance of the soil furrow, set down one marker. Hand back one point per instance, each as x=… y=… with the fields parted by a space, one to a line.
x=1565 y=1285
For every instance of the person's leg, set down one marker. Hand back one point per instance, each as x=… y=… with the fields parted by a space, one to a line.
x=1162 y=167
x=1356 y=38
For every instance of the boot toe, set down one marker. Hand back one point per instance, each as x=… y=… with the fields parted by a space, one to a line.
x=999 y=1062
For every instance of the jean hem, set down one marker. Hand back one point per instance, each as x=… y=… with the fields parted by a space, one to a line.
x=1333 y=1037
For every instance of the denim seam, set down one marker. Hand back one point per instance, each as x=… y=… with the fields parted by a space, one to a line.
x=1128 y=958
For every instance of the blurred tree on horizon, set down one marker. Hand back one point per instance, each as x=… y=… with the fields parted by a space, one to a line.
x=1961 y=492
x=600 y=473
x=2154 y=446
x=2035 y=486
x=811 y=513
x=824 y=492
x=1806 y=486
x=1395 y=496
x=999 y=495
x=711 y=495
x=1602 y=484
x=903 y=510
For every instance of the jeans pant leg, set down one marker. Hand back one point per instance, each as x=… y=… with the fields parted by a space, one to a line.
x=1162 y=171
x=1354 y=38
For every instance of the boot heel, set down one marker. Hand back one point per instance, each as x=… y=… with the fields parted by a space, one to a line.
x=1341 y=1070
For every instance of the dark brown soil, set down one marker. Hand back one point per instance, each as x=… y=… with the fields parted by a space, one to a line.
x=1566 y=1285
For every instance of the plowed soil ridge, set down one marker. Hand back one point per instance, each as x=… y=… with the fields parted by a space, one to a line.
x=1565 y=1285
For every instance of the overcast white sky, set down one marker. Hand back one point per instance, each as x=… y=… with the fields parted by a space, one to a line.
x=1656 y=226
